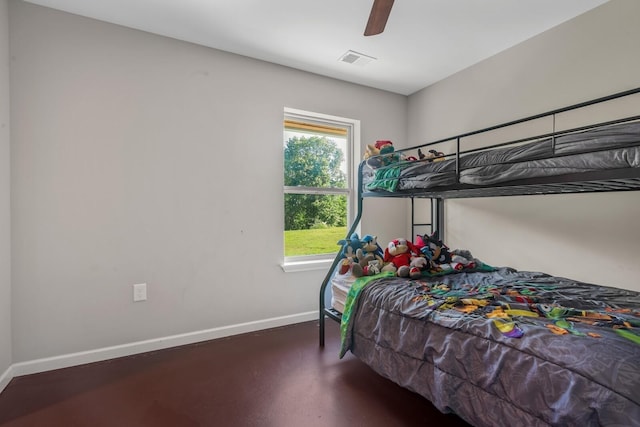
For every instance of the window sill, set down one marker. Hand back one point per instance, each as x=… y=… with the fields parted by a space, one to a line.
x=309 y=265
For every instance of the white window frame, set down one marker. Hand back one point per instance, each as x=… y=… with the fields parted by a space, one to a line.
x=322 y=262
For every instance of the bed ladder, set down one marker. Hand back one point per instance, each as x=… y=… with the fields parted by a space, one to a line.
x=436 y=221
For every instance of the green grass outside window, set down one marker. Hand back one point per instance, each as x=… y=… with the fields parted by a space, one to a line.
x=313 y=242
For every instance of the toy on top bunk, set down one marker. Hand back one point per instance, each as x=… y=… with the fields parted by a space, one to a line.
x=382 y=153
x=431 y=156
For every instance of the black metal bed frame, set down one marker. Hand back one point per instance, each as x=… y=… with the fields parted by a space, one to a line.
x=584 y=182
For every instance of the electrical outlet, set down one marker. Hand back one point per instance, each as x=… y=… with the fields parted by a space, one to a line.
x=139 y=292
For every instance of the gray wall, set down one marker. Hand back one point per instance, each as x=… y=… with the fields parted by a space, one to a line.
x=587 y=237
x=5 y=235
x=126 y=148
x=138 y=158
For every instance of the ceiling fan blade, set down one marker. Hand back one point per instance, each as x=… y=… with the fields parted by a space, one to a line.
x=378 y=18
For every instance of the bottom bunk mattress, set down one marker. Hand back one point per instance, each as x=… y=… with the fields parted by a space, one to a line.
x=502 y=347
x=340 y=286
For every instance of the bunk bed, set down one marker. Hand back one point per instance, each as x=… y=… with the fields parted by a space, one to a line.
x=497 y=346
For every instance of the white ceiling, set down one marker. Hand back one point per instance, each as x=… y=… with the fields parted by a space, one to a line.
x=424 y=40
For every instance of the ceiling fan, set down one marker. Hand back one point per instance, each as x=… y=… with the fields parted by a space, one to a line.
x=378 y=18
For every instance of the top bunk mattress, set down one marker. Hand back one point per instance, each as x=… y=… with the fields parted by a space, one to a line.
x=609 y=147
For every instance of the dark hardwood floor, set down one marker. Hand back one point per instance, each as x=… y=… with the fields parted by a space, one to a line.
x=273 y=378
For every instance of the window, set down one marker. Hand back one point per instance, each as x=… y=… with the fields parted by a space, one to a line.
x=319 y=153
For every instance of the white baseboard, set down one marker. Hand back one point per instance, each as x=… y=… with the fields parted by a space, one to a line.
x=6 y=377
x=97 y=355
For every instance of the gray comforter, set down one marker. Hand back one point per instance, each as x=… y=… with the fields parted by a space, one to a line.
x=505 y=348
x=610 y=147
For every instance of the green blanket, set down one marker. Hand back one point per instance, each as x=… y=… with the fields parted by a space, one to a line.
x=354 y=291
x=387 y=178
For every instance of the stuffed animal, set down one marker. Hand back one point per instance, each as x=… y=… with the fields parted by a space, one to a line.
x=431 y=156
x=438 y=156
x=348 y=259
x=439 y=256
x=398 y=256
x=381 y=154
x=349 y=248
x=373 y=267
x=385 y=147
x=464 y=257
x=369 y=252
x=417 y=264
x=370 y=151
x=387 y=150
x=350 y=244
x=434 y=250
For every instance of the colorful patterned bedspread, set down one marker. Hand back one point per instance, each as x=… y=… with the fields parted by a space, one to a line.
x=536 y=349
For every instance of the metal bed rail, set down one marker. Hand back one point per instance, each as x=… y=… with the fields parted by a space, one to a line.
x=596 y=181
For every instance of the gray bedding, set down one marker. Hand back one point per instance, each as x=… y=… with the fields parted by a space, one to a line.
x=610 y=147
x=493 y=174
x=566 y=354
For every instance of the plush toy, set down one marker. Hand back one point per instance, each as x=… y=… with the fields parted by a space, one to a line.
x=439 y=256
x=385 y=147
x=350 y=244
x=349 y=248
x=372 y=267
x=381 y=154
x=348 y=259
x=370 y=151
x=398 y=256
x=434 y=250
x=387 y=150
x=438 y=156
x=431 y=156
x=369 y=252
x=464 y=257
x=416 y=266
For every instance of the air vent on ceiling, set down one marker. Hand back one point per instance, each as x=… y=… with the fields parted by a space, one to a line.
x=352 y=57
